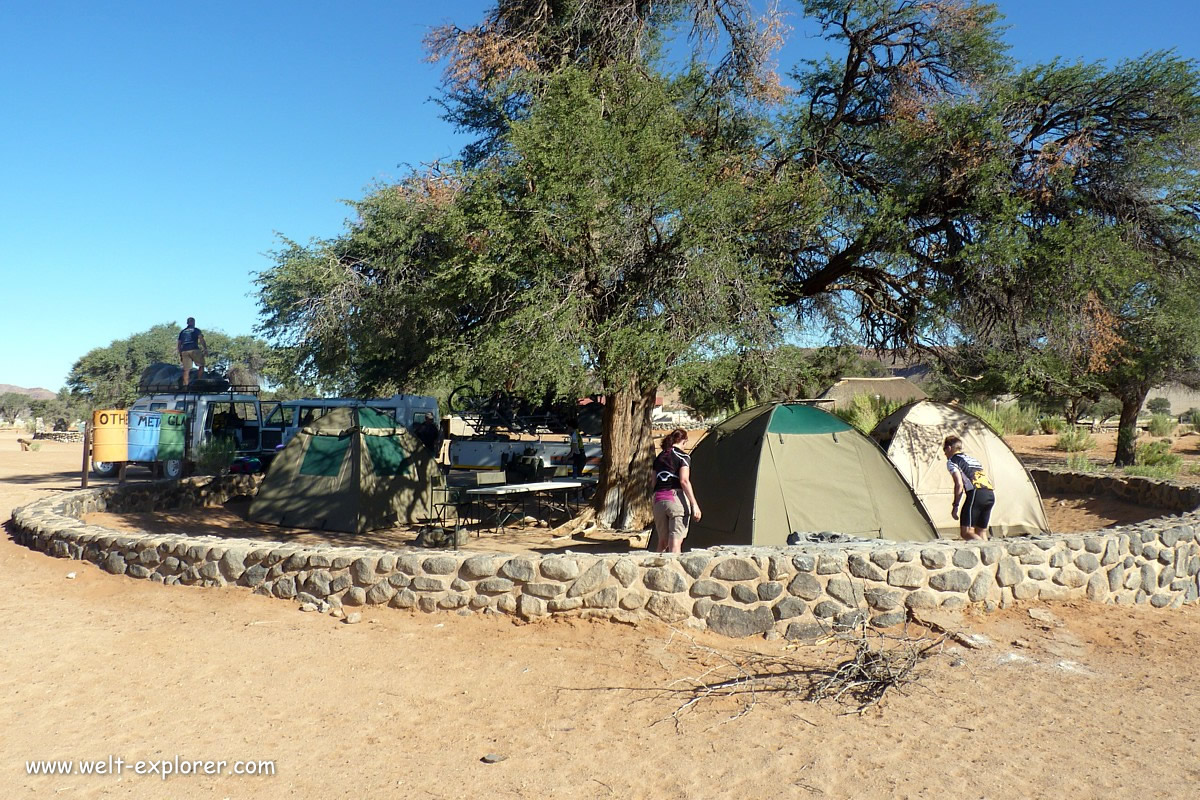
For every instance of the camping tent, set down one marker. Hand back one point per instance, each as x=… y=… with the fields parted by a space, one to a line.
x=896 y=390
x=779 y=468
x=353 y=470
x=913 y=435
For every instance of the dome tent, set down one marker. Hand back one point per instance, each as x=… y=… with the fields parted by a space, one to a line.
x=913 y=435
x=784 y=467
x=353 y=469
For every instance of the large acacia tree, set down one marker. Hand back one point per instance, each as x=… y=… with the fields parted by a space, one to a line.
x=615 y=215
x=601 y=227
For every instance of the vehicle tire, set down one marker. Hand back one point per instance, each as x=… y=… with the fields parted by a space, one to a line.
x=171 y=469
x=105 y=469
x=463 y=399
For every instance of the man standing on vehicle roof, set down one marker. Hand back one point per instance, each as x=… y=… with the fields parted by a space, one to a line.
x=192 y=350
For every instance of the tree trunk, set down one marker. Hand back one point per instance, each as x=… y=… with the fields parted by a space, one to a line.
x=1127 y=432
x=623 y=495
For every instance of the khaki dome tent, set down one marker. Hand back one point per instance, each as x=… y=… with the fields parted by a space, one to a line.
x=352 y=470
x=913 y=435
x=779 y=468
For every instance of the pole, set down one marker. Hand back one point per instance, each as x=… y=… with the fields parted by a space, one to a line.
x=87 y=455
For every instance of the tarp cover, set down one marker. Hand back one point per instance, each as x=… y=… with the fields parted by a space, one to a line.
x=913 y=435
x=779 y=468
x=352 y=470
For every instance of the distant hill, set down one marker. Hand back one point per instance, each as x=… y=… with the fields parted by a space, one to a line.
x=36 y=393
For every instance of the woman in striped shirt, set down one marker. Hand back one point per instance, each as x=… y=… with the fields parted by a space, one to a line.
x=972 y=485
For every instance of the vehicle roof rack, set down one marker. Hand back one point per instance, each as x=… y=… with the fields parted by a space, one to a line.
x=175 y=388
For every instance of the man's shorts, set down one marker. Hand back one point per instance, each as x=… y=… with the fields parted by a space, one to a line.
x=977 y=508
x=191 y=357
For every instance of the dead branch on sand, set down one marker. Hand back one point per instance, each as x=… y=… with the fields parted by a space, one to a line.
x=878 y=663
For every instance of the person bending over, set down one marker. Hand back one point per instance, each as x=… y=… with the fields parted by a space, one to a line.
x=971 y=485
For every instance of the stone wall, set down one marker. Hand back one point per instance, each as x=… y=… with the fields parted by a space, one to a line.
x=795 y=591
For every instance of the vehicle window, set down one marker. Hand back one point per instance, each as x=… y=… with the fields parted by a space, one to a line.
x=281 y=417
x=157 y=406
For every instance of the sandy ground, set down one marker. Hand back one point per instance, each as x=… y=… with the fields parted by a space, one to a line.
x=1087 y=702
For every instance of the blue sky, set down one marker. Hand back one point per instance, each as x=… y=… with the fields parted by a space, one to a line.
x=150 y=152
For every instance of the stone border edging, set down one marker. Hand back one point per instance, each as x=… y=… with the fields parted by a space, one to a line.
x=799 y=591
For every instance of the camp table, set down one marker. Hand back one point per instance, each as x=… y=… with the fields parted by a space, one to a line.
x=494 y=497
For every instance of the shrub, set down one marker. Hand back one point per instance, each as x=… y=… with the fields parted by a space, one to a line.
x=865 y=411
x=1018 y=420
x=215 y=456
x=1052 y=424
x=1074 y=440
x=1161 y=425
x=1160 y=472
x=1157 y=454
x=988 y=413
x=1079 y=462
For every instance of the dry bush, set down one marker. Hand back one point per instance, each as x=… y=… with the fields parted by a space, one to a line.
x=875 y=662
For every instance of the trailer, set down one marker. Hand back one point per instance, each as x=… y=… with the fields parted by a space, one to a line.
x=479 y=453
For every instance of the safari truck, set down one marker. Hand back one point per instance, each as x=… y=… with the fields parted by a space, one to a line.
x=258 y=428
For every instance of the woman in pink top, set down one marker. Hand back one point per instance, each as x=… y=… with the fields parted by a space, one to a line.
x=675 y=503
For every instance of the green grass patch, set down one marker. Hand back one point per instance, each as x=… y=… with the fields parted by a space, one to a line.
x=1052 y=424
x=1074 y=440
x=1157 y=455
x=1079 y=462
x=1161 y=425
x=1161 y=472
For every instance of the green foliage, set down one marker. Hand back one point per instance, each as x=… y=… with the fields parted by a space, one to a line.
x=865 y=411
x=14 y=404
x=1079 y=462
x=729 y=383
x=1105 y=409
x=214 y=456
x=1158 y=405
x=1157 y=454
x=1052 y=424
x=1161 y=425
x=1074 y=440
x=107 y=377
x=35 y=446
x=987 y=412
x=1018 y=419
x=1157 y=472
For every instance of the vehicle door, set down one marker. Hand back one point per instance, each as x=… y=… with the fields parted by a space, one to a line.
x=235 y=420
x=277 y=418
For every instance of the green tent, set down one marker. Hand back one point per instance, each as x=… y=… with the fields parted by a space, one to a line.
x=353 y=470
x=784 y=467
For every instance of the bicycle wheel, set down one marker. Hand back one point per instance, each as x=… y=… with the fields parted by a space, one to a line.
x=464 y=398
